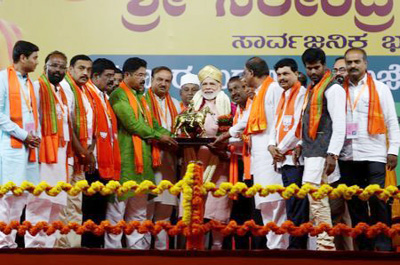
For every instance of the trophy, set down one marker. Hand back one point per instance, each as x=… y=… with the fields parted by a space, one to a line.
x=189 y=128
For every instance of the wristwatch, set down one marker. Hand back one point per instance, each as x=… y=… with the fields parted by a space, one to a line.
x=333 y=155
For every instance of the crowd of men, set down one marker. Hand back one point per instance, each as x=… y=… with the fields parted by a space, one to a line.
x=92 y=121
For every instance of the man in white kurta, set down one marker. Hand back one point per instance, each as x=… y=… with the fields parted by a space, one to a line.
x=14 y=163
x=283 y=143
x=164 y=108
x=47 y=208
x=272 y=207
x=371 y=145
x=80 y=69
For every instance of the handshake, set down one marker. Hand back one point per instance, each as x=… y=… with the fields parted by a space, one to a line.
x=32 y=141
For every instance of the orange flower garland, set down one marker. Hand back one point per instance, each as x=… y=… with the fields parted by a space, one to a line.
x=226 y=229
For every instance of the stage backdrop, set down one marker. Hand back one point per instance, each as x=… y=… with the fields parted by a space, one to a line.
x=185 y=35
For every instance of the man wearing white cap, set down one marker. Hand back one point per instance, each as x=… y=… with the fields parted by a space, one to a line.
x=190 y=84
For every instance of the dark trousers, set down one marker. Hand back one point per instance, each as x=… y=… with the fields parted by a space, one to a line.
x=297 y=210
x=244 y=209
x=94 y=208
x=364 y=173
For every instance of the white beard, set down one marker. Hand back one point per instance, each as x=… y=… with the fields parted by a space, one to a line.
x=209 y=96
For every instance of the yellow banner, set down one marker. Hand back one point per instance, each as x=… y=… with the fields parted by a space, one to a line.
x=201 y=27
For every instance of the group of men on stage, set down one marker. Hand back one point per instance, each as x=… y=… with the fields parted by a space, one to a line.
x=66 y=126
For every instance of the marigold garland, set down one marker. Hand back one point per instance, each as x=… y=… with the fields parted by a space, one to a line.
x=184 y=186
x=181 y=228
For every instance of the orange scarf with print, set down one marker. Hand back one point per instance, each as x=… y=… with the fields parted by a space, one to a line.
x=233 y=166
x=52 y=126
x=156 y=108
x=108 y=152
x=14 y=90
x=376 y=120
x=289 y=111
x=257 y=122
x=137 y=141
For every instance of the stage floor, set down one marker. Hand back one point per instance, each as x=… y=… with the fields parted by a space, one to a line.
x=182 y=257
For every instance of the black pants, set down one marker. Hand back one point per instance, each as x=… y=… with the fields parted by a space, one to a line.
x=364 y=173
x=94 y=208
x=244 y=209
x=297 y=210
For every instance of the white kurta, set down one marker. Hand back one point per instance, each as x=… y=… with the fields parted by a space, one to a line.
x=88 y=110
x=53 y=173
x=14 y=165
x=262 y=167
x=290 y=140
x=167 y=170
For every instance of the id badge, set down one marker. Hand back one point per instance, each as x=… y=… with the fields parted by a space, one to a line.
x=286 y=122
x=30 y=127
x=352 y=130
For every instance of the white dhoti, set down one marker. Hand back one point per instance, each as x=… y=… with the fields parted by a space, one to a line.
x=131 y=209
x=45 y=207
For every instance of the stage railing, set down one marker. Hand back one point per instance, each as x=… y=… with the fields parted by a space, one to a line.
x=193 y=192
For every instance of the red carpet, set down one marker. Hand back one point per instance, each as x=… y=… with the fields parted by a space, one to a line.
x=183 y=257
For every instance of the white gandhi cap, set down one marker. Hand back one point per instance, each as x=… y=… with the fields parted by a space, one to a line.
x=189 y=79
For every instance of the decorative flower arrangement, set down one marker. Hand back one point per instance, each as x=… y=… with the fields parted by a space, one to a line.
x=224 y=123
x=231 y=228
x=226 y=188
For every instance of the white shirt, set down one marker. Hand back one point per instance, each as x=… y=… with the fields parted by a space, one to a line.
x=336 y=101
x=290 y=140
x=86 y=105
x=165 y=116
x=368 y=147
x=59 y=109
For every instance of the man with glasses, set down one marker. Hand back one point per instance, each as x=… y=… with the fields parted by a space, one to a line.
x=55 y=105
x=138 y=131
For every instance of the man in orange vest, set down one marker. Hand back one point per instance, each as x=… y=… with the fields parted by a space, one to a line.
x=19 y=133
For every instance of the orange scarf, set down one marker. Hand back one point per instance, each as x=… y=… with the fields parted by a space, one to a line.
x=52 y=126
x=137 y=141
x=157 y=108
x=376 y=120
x=14 y=89
x=233 y=166
x=257 y=122
x=290 y=109
x=80 y=125
x=317 y=99
x=108 y=153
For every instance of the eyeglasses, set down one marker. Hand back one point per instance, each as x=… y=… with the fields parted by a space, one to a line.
x=141 y=75
x=340 y=70
x=59 y=66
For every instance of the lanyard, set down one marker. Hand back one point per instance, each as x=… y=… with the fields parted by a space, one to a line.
x=353 y=107
x=58 y=100
x=27 y=100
